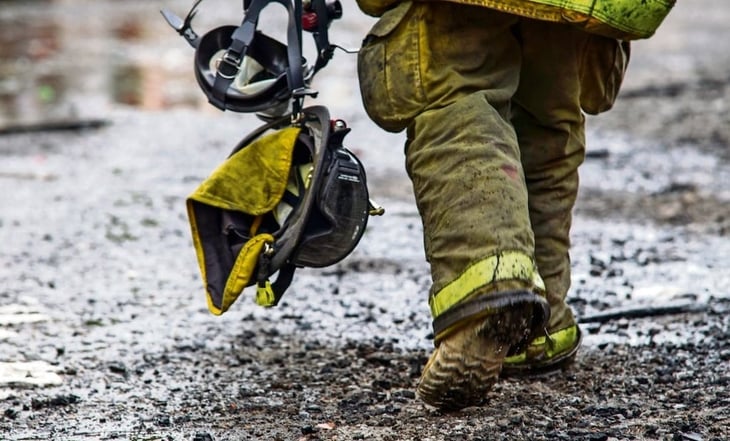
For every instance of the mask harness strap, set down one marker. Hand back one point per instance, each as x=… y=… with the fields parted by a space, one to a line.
x=319 y=25
x=241 y=41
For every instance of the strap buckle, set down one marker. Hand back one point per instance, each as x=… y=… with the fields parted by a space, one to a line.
x=229 y=65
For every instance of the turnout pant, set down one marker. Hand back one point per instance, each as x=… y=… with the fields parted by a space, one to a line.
x=493 y=105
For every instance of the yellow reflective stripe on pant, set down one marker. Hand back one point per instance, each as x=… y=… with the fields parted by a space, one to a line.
x=508 y=265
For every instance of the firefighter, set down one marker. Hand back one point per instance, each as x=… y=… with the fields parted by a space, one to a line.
x=493 y=96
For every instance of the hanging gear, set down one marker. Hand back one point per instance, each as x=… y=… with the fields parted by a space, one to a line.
x=290 y=194
x=286 y=198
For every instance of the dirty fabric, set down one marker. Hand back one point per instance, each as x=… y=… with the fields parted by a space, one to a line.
x=623 y=19
x=492 y=107
x=562 y=71
x=222 y=212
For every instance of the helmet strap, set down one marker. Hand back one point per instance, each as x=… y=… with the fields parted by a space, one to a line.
x=241 y=40
x=324 y=16
x=267 y=293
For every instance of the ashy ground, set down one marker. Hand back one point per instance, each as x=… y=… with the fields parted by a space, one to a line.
x=104 y=331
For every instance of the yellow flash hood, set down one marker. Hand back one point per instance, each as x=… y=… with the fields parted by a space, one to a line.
x=250 y=183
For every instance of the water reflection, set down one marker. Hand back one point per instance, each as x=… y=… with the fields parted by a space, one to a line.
x=76 y=59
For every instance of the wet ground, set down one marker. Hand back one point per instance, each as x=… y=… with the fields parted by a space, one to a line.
x=104 y=331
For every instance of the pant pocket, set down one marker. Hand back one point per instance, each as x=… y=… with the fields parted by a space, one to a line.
x=388 y=69
x=602 y=71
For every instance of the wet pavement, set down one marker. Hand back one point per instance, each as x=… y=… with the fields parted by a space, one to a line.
x=104 y=331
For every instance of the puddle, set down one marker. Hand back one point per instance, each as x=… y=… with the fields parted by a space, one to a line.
x=26 y=310
x=28 y=374
x=15 y=318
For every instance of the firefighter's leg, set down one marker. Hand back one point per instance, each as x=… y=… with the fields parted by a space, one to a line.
x=549 y=122
x=448 y=73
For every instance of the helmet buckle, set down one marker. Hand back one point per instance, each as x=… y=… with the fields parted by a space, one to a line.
x=184 y=26
x=229 y=65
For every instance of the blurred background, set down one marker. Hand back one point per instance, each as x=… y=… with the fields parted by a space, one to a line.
x=74 y=61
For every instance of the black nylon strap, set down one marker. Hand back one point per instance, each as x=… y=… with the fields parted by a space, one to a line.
x=283 y=280
x=321 y=37
x=294 y=46
x=243 y=37
x=231 y=61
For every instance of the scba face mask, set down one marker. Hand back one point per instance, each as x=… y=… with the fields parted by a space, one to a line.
x=286 y=198
x=241 y=69
x=259 y=82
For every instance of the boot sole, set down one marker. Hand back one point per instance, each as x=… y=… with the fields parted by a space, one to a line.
x=467 y=363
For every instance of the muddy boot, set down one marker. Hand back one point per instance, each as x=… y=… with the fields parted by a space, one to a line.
x=553 y=349
x=546 y=354
x=472 y=340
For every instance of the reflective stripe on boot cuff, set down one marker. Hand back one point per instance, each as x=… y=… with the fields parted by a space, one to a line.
x=507 y=265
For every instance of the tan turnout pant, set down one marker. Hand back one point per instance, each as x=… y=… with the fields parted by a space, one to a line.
x=493 y=107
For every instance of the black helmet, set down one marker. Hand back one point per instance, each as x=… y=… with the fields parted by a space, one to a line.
x=289 y=196
x=324 y=210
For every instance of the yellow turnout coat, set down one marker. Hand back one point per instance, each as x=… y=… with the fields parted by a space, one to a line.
x=622 y=19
